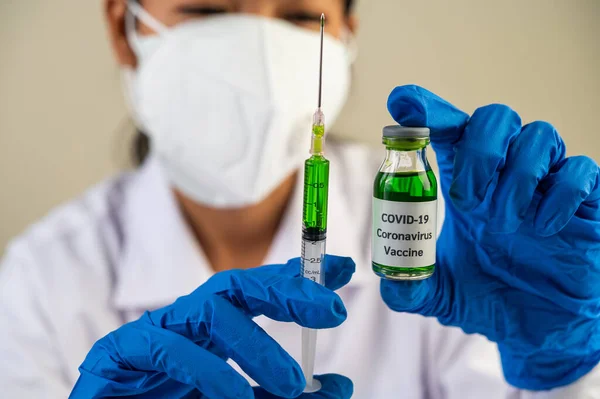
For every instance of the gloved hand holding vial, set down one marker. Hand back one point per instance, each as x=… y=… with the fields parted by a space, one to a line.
x=518 y=257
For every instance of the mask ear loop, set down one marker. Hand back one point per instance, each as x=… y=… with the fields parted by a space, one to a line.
x=128 y=74
x=131 y=31
x=137 y=11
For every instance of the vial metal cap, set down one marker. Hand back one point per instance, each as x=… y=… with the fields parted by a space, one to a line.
x=397 y=131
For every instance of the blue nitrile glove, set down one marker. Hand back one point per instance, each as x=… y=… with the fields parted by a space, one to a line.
x=179 y=351
x=518 y=258
x=334 y=387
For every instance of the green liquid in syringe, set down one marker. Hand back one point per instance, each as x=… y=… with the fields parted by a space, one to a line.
x=316 y=189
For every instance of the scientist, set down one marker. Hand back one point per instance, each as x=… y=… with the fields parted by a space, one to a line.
x=223 y=91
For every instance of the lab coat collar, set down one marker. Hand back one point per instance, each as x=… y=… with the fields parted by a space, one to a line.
x=161 y=259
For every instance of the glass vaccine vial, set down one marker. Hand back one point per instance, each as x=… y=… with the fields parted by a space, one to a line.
x=404 y=207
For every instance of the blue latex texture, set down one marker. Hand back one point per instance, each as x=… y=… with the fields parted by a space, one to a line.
x=518 y=257
x=180 y=351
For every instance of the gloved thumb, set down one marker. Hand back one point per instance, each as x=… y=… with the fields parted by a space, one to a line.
x=414 y=106
x=412 y=296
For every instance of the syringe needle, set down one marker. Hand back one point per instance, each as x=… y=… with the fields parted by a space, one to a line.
x=321 y=58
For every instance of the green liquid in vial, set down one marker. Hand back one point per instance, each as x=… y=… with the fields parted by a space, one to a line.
x=405 y=187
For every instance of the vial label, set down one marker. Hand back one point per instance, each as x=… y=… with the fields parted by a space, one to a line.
x=404 y=233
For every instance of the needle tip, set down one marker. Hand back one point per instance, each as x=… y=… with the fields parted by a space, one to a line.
x=322 y=20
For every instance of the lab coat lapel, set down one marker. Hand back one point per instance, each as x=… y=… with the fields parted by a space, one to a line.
x=160 y=260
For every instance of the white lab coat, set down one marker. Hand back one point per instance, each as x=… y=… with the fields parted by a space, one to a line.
x=122 y=248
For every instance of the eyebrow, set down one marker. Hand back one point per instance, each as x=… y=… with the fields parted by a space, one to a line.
x=207 y=8
x=204 y=6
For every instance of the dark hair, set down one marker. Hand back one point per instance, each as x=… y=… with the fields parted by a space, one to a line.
x=141 y=142
x=349 y=5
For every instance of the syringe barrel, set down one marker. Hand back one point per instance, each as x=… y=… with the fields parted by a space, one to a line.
x=312 y=260
x=314 y=232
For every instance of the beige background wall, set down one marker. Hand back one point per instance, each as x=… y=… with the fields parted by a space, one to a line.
x=63 y=125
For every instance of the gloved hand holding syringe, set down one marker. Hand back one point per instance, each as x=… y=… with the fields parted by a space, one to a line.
x=314 y=222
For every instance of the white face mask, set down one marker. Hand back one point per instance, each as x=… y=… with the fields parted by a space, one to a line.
x=228 y=101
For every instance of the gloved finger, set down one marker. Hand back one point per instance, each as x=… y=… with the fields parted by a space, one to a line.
x=416 y=107
x=150 y=348
x=267 y=290
x=481 y=154
x=338 y=270
x=571 y=183
x=530 y=157
x=271 y=292
x=259 y=355
x=334 y=387
x=412 y=296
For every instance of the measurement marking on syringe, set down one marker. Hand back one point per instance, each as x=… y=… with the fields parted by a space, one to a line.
x=312 y=260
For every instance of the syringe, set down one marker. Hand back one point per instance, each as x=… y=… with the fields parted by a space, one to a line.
x=314 y=223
